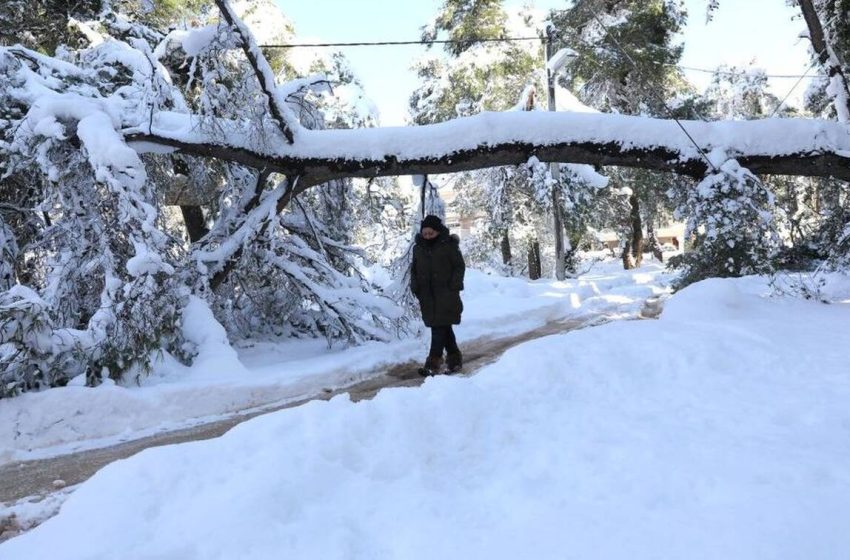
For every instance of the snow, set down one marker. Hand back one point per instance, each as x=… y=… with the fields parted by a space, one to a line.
x=557 y=61
x=215 y=356
x=718 y=431
x=147 y=262
x=29 y=512
x=66 y=419
x=193 y=41
x=768 y=137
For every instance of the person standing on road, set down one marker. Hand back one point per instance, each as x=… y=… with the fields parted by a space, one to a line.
x=436 y=279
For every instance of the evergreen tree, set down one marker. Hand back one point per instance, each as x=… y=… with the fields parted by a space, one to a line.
x=95 y=272
x=626 y=63
x=467 y=19
x=475 y=77
x=731 y=215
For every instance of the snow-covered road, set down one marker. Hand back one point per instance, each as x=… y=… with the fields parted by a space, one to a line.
x=68 y=434
x=75 y=418
x=719 y=431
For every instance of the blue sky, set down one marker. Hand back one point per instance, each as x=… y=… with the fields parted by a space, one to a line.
x=742 y=31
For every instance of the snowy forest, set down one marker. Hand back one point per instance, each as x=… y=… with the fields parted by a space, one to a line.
x=156 y=161
x=203 y=219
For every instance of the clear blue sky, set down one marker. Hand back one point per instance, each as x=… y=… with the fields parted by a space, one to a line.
x=742 y=31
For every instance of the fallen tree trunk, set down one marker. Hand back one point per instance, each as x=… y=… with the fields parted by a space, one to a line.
x=804 y=147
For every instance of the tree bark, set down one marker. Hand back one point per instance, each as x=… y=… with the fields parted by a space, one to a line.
x=534 y=268
x=654 y=244
x=193 y=217
x=505 y=246
x=828 y=59
x=636 y=230
x=628 y=262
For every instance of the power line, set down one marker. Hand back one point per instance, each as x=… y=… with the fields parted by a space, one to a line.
x=790 y=91
x=495 y=40
x=732 y=72
x=387 y=43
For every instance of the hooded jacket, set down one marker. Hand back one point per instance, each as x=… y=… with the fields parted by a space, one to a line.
x=436 y=278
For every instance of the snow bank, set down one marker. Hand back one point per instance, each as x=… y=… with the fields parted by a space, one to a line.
x=215 y=356
x=67 y=419
x=724 y=436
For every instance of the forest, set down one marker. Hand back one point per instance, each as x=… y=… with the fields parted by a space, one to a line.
x=156 y=158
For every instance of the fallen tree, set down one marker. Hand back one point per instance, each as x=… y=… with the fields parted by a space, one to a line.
x=95 y=281
x=804 y=147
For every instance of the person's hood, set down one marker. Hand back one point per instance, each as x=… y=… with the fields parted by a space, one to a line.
x=442 y=237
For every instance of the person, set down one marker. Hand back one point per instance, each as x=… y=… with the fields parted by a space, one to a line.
x=436 y=279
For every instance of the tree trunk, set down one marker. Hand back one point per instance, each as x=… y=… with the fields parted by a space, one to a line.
x=628 y=262
x=193 y=217
x=534 y=271
x=322 y=161
x=829 y=61
x=505 y=245
x=636 y=230
x=654 y=244
x=555 y=169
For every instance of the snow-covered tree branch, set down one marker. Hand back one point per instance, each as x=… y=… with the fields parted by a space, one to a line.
x=805 y=147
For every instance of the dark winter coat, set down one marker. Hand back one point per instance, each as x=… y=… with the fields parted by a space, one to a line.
x=436 y=278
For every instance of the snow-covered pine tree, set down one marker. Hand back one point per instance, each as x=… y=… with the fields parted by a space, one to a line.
x=626 y=63
x=295 y=273
x=586 y=204
x=474 y=77
x=809 y=214
x=742 y=93
x=101 y=272
x=100 y=255
x=829 y=97
x=731 y=216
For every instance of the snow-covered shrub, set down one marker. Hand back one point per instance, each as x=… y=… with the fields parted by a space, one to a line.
x=33 y=353
x=101 y=290
x=730 y=216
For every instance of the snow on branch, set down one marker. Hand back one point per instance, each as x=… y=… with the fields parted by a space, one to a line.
x=806 y=147
x=839 y=87
x=277 y=99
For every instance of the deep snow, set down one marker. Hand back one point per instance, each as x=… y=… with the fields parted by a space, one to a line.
x=61 y=420
x=719 y=431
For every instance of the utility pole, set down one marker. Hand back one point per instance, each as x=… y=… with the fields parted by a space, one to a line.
x=554 y=167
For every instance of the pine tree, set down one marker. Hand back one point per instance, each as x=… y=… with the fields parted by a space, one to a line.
x=476 y=77
x=467 y=19
x=626 y=63
x=731 y=215
x=95 y=271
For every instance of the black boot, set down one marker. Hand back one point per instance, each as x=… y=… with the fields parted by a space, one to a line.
x=454 y=361
x=433 y=366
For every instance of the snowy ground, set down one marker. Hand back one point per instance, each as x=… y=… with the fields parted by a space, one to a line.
x=62 y=420
x=719 y=431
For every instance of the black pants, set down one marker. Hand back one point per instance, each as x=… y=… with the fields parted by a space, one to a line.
x=443 y=338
